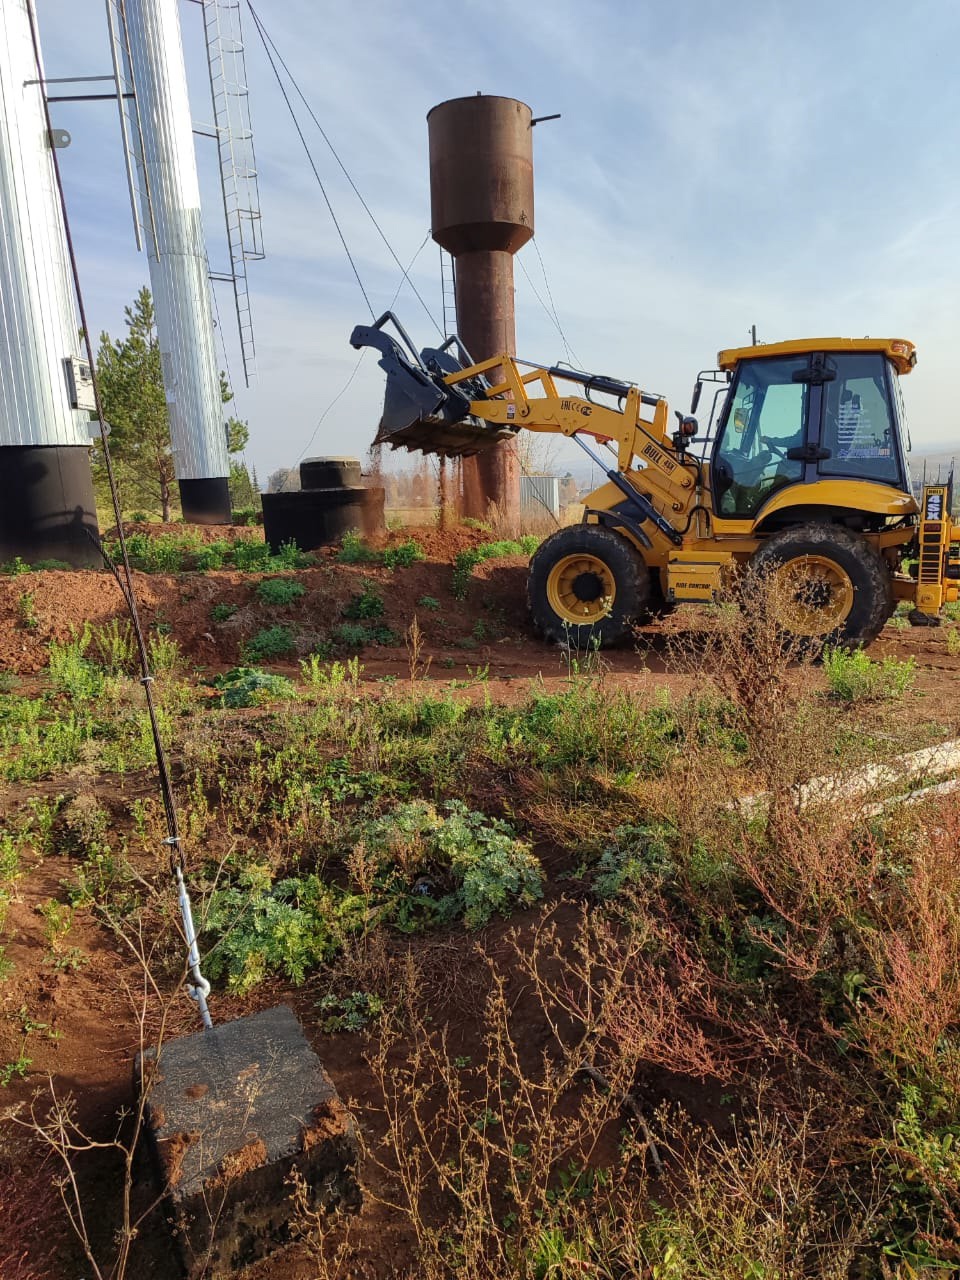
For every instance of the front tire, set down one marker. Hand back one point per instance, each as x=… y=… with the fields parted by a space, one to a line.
x=587 y=586
x=827 y=584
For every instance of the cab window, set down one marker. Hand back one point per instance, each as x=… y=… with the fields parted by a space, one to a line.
x=766 y=418
x=858 y=428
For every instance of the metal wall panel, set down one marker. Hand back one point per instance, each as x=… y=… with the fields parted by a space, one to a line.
x=178 y=259
x=540 y=496
x=38 y=323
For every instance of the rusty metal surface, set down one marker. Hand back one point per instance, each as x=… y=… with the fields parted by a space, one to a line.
x=481 y=174
x=486 y=318
x=481 y=203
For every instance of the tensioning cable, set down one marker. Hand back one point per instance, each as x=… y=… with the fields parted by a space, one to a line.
x=273 y=57
x=198 y=987
x=356 y=368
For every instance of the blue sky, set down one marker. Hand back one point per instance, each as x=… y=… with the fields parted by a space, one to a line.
x=716 y=166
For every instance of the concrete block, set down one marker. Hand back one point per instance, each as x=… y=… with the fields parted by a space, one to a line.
x=231 y=1114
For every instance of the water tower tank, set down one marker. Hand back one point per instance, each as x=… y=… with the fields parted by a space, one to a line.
x=481 y=174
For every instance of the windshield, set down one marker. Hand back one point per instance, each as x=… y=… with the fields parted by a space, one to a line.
x=765 y=418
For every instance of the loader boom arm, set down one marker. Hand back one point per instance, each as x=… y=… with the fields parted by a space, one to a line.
x=440 y=401
x=640 y=443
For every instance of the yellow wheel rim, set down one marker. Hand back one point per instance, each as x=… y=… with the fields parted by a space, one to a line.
x=581 y=589
x=812 y=595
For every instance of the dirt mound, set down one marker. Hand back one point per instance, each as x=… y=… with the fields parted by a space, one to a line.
x=39 y=608
x=441 y=545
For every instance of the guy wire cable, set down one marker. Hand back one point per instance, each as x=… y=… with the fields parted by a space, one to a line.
x=199 y=987
x=268 y=44
x=356 y=368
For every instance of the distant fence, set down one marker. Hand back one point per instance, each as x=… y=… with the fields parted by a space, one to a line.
x=540 y=495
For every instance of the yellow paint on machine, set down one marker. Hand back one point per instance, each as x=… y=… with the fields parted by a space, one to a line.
x=696 y=579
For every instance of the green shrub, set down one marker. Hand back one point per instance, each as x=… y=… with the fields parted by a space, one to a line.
x=163 y=653
x=279 y=591
x=249 y=686
x=353 y=550
x=488 y=868
x=16 y=566
x=464 y=564
x=222 y=612
x=291 y=557
x=166 y=556
x=354 y=635
x=635 y=855
x=403 y=555
x=466 y=561
x=249 y=555
x=853 y=677
x=429 y=602
x=212 y=556
x=271 y=642
x=71 y=672
x=350 y=635
x=27 y=611
x=114 y=645
x=289 y=929
x=9 y=872
x=368 y=604
x=349 y=1013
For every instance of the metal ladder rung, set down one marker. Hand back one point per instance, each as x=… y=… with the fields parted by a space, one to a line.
x=229 y=93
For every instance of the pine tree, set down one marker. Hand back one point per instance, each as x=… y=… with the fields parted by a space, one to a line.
x=131 y=387
x=134 y=404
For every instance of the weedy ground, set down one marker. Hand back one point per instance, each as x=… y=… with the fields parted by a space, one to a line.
x=597 y=1013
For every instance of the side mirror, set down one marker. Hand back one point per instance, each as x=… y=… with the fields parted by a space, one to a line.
x=695 y=398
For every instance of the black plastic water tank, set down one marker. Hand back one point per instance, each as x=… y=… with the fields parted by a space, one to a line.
x=329 y=473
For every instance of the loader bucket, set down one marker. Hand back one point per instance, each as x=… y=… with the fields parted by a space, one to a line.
x=419 y=410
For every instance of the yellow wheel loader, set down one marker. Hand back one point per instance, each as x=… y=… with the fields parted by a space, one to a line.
x=802 y=477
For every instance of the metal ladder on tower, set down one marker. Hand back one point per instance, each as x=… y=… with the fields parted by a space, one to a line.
x=238 y=167
x=448 y=290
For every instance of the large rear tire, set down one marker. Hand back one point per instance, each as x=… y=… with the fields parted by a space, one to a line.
x=587 y=586
x=827 y=584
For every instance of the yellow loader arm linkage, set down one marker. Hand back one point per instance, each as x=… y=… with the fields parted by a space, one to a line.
x=440 y=403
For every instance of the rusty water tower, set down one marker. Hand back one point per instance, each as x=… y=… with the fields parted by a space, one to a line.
x=481 y=203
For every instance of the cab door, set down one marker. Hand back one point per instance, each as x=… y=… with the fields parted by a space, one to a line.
x=859 y=431
x=763 y=442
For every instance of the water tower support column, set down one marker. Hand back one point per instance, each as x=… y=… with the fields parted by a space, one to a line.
x=481 y=199
x=47 y=508
x=178 y=262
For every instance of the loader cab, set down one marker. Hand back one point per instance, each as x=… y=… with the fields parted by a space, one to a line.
x=798 y=416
